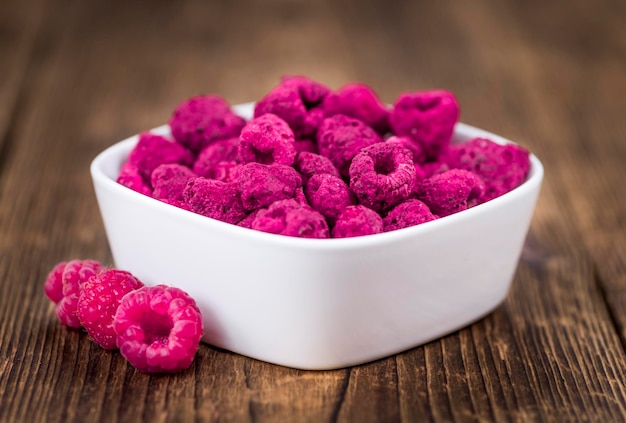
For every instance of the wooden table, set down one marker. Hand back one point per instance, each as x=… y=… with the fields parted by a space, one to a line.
x=77 y=76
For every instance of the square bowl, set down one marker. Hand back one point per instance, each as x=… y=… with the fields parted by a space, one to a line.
x=321 y=303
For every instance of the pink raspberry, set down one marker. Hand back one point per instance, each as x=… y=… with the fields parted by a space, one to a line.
x=305 y=145
x=131 y=178
x=217 y=152
x=260 y=185
x=340 y=138
x=153 y=150
x=75 y=274
x=53 y=287
x=202 y=120
x=451 y=191
x=296 y=100
x=215 y=199
x=419 y=156
x=329 y=195
x=360 y=102
x=357 y=221
x=158 y=328
x=169 y=181
x=382 y=175
x=223 y=171
x=267 y=140
x=410 y=213
x=98 y=301
x=290 y=218
x=427 y=117
x=501 y=167
x=309 y=164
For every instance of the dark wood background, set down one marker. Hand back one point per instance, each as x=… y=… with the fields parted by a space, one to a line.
x=78 y=75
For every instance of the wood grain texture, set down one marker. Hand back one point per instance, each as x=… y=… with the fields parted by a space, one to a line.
x=82 y=75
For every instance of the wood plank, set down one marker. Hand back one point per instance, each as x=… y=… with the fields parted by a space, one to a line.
x=550 y=353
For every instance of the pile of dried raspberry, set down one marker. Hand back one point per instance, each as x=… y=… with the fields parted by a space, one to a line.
x=157 y=329
x=330 y=151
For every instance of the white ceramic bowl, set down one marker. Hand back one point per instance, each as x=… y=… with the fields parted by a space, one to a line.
x=321 y=304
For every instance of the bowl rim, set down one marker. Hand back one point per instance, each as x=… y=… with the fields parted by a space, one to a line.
x=122 y=148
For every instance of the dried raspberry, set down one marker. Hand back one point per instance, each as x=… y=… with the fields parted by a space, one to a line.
x=53 y=287
x=223 y=171
x=98 y=301
x=169 y=181
x=290 y=218
x=357 y=221
x=131 y=178
x=329 y=195
x=301 y=198
x=75 y=274
x=419 y=156
x=158 y=328
x=309 y=164
x=410 y=213
x=267 y=140
x=153 y=150
x=382 y=175
x=202 y=120
x=246 y=222
x=434 y=168
x=260 y=185
x=427 y=117
x=217 y=152
x=501 y=167
x=296 y=100
x=340 y=138
x=215 y=199
x=360 y=102
x=451 y=191
x=305 y=145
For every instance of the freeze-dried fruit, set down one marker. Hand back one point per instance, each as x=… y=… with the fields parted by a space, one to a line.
x=428 y=117
x=215 y=199
x=382 y=175
x=290 y=218
x=360 y=102
x=451 y=191
x=340 y=138
x=357 y=221
x=260 y=185
x=267 y=140
x=410 y=213
x=202 y=120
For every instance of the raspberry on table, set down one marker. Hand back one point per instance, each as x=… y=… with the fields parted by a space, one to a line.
x=98 y=301
x=451 y=191
x=158 y=328
x=75 y=274
x=360 y=102
x=260 y=185
x=410 y=213
x=153 y=150
x=169 y=181
x=290 y=218
x=296 y=100
x=357 y=221
x=220 y=151
x=340 y=138
x=53 y=286
x=215 y=199
x=267 y=140
x=428 y=117
x=501 y=167
x=131 y=178
x=202 y=120
x=309 y=164
x=329 y=195
x=382 y=175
